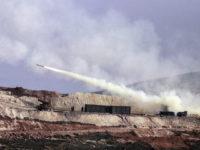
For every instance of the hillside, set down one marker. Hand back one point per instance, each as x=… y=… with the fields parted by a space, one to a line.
x=183 y=82
x=44 y=120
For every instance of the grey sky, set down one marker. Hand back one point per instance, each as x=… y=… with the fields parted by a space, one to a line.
x=121 y=41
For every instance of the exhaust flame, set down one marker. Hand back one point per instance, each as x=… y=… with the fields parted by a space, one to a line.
x=146 y=103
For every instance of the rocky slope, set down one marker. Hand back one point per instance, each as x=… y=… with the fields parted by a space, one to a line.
x=43 y=120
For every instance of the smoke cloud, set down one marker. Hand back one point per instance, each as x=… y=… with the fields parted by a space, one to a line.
x=65 y=35
x=111 y=45
x=12 y=51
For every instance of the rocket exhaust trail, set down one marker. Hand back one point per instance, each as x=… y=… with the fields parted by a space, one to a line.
x=138 y=97
x=123 y=91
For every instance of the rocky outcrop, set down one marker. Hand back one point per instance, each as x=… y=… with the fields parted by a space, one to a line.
x=43 y=96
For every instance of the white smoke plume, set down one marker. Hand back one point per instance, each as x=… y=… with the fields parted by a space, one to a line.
x=152 y=103
x=65 y=35
x=110 y=46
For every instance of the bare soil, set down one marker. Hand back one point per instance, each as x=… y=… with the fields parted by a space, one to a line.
x=30 y=134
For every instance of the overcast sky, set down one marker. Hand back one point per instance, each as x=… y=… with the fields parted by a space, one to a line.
x=120 y=41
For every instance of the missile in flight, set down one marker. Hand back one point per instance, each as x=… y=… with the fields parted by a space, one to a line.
x=40 y=65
